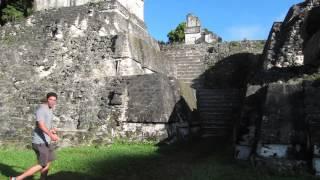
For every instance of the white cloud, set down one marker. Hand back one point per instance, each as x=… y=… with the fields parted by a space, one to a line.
x=246 y=32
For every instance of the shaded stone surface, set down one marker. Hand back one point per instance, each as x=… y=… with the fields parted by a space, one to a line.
x=277 y=112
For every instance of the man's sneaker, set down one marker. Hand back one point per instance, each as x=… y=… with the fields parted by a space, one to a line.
x=12 y=178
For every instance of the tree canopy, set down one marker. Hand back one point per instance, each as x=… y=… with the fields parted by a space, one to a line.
x=12 y=10
x=177 y=35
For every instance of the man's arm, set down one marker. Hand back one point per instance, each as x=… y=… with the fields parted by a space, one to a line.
x=43 y=127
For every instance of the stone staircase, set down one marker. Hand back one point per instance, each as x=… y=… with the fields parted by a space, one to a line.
x=218 y=108
x=188 y=63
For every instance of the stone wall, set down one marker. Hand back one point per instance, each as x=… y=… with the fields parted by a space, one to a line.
x=110 y=76
x=135 y=7
x=278 y=122
x=195 y=35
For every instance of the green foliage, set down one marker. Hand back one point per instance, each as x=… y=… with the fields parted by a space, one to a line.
x=15 y=10
x=10 y=13
x=177 y=35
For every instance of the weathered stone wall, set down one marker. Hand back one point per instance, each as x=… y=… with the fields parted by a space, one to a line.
x=106 y=69
x=278 y=122
x=213 y=77
x=195 y=35
x=135 y=7
x=215 y=52
x=286 y=40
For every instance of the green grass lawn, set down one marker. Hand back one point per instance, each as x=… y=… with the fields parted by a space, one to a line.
x=196 y=161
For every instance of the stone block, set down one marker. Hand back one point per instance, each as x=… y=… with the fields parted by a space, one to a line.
x=283 y=118
x=316 y=166
x=242 y=152
x=273 y=151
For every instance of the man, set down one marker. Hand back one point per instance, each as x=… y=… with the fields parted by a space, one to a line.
x=43 y=134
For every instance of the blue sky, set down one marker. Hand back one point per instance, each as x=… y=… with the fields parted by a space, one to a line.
x=230 y=19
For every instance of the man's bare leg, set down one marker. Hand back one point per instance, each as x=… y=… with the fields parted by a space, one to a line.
x=29 y=172
x=44 y=172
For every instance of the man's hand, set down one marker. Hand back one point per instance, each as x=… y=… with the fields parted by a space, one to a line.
x=50 y=133
x=54 y=137
x=53 y=130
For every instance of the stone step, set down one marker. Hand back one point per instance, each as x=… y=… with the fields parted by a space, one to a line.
x=188 y=74
x=190 y=66
x=191 y=83
x=215 y=132
x=187 y=58
x=195 y=66
x=215 y=109
x=213 y=115
x=180 y=70
x=212 y=123
x=215 y=106
x=226 y=120
x=226 y=112
x=184 y=52
x=218 y=96
x=188 y=71
x=188 y=55
x=213 y=127
x=187 y=77
x=189 y=63
x=218 y=103
x=221 y=91
x=234 y=93
x=215 y=112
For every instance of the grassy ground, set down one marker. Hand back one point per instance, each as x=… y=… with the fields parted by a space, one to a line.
x=196 y=161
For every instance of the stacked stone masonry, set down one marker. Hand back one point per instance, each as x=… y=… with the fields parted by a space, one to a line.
x=218 y=110
x=191 y=63
x=135 y=7
x=278 y=126
x=101 y=65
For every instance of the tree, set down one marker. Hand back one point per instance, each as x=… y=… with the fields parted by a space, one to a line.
x=14 y=10
x=177 y=35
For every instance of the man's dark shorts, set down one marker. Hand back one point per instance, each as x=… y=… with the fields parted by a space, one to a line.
x=45 y=153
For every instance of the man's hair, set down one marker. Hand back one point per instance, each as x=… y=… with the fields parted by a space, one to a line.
x=52 y=94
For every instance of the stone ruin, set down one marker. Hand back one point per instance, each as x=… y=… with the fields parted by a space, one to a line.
x=112 y=80
x=278 y=126
x=135 y=7
x=115 y=82
x=195 y=35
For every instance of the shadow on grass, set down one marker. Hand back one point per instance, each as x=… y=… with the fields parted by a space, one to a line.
x=168 y=162
x=65 y=175
x=7 y=170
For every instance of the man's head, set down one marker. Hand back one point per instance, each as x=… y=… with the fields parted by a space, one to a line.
x=52 y=99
